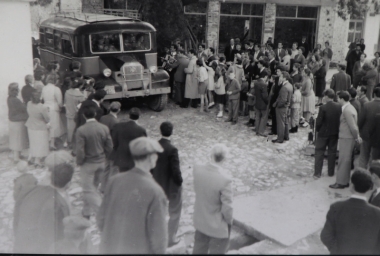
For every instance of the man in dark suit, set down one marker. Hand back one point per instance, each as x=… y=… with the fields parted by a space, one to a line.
x=374 y=136
x=279 y=52
x=261 y=103
x=340 y=81
x=374 y=169
x=180 y=78
x=351 y=59
x=228 y=51
x=123 y=133
x=262 y=72
x=168 y=175
x=348 y=135
x=257 y=54
x=352 y=226
x=282 y=105
x=305 y=45
x=271 y=63
x=366 y=124
x=354 y=102
x=93 y=145
x=362 y=96
x=327 y=127
x=96 y=103
x=111 y=119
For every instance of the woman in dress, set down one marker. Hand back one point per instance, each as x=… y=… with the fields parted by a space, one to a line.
x=320 y=82
x=313 y=64
x=38 y=125
x=52 y=97
x=17 y=115
x=308 y=97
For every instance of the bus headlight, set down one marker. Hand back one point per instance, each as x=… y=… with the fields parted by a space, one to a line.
x=153 y=69
x=107 y=72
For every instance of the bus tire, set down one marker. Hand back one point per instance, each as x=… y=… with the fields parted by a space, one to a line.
x=158 y=102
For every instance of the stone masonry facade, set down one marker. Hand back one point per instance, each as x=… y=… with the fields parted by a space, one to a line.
x=213 y=21
x=93 y=6
x=269 y=21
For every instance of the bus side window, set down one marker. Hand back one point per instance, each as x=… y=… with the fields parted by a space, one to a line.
x=57 y=42
x=49 y=38
x=42 y=36
x=66 y=47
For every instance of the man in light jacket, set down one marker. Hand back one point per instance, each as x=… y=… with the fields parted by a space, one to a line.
x=348 y=134
x=213 y=204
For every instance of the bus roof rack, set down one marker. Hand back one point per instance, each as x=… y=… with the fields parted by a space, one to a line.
x=92 y=17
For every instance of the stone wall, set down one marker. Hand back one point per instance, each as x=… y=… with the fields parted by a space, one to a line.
x=213 y=21
x=41 y=13
x=269 y=21
x=334 y=29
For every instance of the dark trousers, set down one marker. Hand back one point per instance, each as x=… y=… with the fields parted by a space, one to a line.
x=282 y=124
x=109 y=171
x=204 y=244
x=175 y=208
x=274 y=121
x=321 y=143
x=179 y=92
x=233 y=110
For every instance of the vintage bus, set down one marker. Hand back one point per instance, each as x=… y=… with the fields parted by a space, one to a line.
x=121 y=52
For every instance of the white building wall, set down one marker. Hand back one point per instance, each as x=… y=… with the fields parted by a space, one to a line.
x=371 y=35
x=16 y=59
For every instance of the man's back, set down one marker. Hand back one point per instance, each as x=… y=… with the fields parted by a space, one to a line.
x=109 y=121
x=340 y=82
x=212 y=209
x=328 y=119
x=39 y=220
x=94 y=143
x=261 y=94
x=80 y=120
x=123 y=133
x=356 y=104
x=26 y=93
x=132 y=215
x=352 y=227
x=180 y=75
x=167 y=170
x=367 y=117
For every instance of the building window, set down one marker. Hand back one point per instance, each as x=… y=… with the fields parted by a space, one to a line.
x=300 y=12
x=196 y=17
x=239 y=9
x=355 y=30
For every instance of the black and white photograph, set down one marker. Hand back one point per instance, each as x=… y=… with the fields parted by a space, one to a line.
x=190 y=127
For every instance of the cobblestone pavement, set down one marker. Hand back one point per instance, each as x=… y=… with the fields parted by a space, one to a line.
x=255 y=163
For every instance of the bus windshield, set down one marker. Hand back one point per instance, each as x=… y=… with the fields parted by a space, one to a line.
x=136 y=41
x=105 y=42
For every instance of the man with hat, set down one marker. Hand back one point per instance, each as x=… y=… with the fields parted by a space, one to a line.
x=75 y=240
x=282 y=105
x=122 y=134
x=132 y=217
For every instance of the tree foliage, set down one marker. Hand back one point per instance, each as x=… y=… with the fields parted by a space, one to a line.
x=357 y=8
x=166 y=16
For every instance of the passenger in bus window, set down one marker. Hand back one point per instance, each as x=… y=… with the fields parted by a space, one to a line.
x=140 y=45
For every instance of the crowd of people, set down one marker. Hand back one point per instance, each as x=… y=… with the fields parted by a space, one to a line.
x=131 y=183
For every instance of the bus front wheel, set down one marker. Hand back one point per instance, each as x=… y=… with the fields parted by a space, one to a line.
x=158 y=102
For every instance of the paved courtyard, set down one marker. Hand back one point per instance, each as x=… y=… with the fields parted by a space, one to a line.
x=255 y=163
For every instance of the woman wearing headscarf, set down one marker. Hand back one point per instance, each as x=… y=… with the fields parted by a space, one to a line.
x=38 y=125
x=17 y=115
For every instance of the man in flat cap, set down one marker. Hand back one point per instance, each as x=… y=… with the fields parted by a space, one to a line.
x=132 y=217
x=122 y=134
x=75 y=240
x=282 y=105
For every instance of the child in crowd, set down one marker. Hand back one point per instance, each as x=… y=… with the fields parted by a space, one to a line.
x=211 y=83
x=202 y=85
x=233 y=92
x=220 y=90
x=295 y=108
